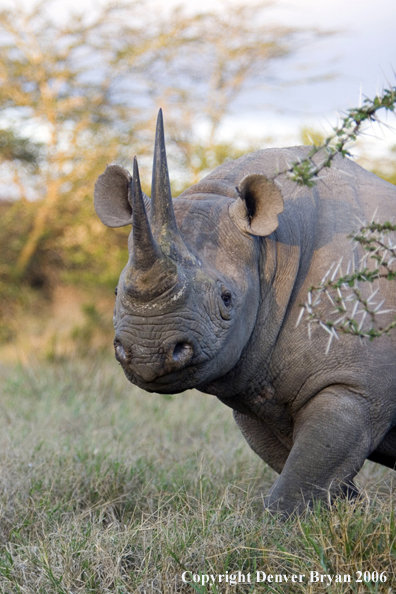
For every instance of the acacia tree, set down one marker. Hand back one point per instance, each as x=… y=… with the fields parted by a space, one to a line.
x=48 y=76
x=89 y=92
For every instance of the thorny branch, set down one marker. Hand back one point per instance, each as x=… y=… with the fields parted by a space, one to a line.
x=305 y=171
x=353 y=310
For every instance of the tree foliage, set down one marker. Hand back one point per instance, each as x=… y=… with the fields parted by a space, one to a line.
x=80 y=93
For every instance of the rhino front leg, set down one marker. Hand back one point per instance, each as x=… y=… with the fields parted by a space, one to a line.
x=385 y=452
x=331 y=440
x=263 y=441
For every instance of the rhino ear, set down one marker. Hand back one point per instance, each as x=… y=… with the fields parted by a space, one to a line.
x=112 y=196
x=260 y=201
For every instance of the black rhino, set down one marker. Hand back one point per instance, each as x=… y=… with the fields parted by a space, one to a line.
x=210 y=297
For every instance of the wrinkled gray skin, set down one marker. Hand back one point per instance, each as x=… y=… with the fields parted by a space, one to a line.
x=212 y=304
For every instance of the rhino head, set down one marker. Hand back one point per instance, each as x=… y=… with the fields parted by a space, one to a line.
x=188 y=298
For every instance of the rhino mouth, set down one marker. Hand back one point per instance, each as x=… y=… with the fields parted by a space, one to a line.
x=170 y=383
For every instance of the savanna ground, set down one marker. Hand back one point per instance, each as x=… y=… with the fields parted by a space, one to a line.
x=105 y=488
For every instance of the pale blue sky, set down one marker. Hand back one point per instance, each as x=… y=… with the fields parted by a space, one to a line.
x=361 y=57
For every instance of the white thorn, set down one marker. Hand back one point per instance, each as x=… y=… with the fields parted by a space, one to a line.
x=372 y=295
x=363 y=318
x=330 y=298
x=355 y=309
x=363 y=261
x=378 y=306
x=336 y=270
x=339 y=320
x=326 y=328
x=317 y=301
x=362 y=223
x=329 y=344
x=300 y=316
x=327 y=274
x=374 y=215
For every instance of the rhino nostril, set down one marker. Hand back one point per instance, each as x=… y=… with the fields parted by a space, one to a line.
x=120 y=353
x=182 y=352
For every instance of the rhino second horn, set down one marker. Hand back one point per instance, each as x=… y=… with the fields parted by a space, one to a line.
x=145 y=251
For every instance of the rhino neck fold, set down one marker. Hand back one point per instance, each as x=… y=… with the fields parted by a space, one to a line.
x=278 y=267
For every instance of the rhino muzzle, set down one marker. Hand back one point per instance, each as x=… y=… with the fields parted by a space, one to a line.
x=176 y=354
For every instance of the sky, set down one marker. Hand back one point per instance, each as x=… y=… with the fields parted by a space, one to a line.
x=358 y=60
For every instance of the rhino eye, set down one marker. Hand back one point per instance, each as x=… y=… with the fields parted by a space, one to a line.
x=225 y=305
x=116 y=291
x=226 y=297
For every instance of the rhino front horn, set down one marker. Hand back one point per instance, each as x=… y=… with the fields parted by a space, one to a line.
x=162 y=219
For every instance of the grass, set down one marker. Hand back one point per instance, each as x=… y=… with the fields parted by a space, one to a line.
x=105 y=488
